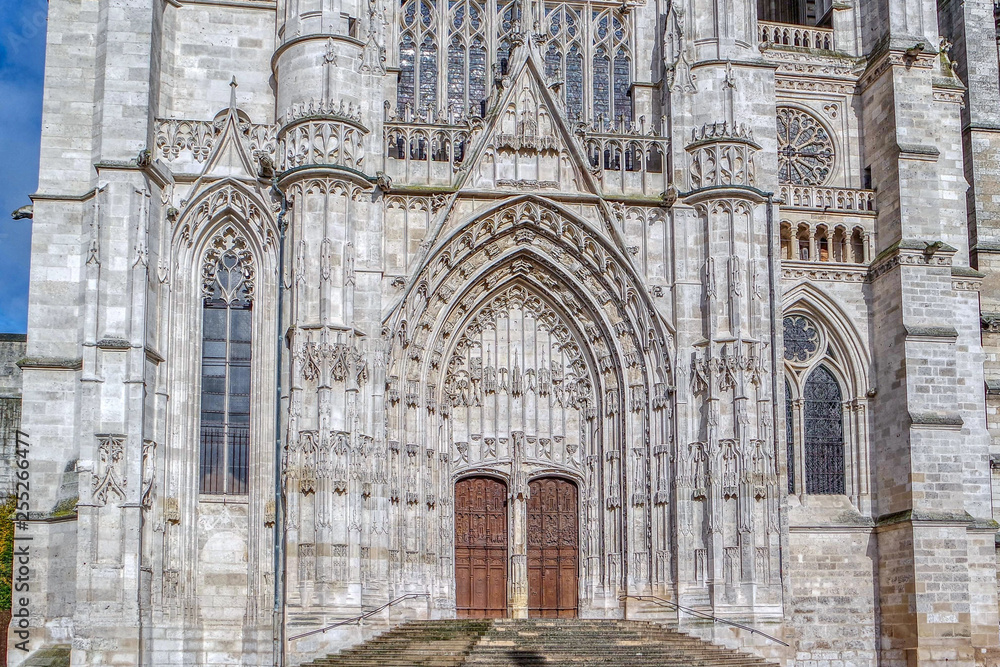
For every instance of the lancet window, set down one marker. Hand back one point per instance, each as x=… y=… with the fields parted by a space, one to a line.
x=824 y=433
x=227 y=291
x=815 y=411
x=451 y=51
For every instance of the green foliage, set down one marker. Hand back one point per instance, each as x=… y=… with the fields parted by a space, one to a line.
x=7 y=507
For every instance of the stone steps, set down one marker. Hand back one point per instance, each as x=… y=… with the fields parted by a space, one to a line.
x=536 y=642
x=418 y=643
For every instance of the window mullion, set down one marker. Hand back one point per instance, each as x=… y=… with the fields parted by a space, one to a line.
x=798 y=415
x=225 y=415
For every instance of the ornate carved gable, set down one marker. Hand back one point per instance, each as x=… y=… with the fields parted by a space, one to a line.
x=528 y=144
x=229 y=157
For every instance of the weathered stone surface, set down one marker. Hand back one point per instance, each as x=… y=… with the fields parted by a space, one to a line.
x=729 y=281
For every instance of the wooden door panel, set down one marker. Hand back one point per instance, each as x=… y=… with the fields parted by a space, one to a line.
x=553 y=549
x=481 y=548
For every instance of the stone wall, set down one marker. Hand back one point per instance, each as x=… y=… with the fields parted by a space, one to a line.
x=509 y=296
x=12 y=349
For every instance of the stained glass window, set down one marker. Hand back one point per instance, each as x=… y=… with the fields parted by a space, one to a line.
x=587 y=51
x=602 y=86
x=225 y=369
x=790 y=438
x=623 y=79
x=801 y=339
x=467 y=84
x=418 y=75
x=824 y=434
x=805 y=149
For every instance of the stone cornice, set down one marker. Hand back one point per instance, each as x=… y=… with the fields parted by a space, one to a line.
x=939 y=334
x=966 y=279
x=926 y=518
x=936 y=420
x=843 y=273
x=880 y=63
x=51 y=363
x=912 y=252
x=919 y=152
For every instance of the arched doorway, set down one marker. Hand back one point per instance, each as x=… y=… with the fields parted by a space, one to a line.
x=481 y=548
x=553 y=548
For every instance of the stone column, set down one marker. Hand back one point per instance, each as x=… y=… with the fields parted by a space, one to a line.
x=721 y=108
x=329 y=73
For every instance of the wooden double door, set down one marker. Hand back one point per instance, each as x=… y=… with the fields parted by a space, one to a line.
x=482 y=549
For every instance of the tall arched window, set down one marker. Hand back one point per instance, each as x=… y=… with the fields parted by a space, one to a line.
x=227 y=284
x=450 y=51
x=790 y=437
x=826 y=441
x=824 y=433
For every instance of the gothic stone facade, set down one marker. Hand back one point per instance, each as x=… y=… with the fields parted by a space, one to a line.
x=306 y=274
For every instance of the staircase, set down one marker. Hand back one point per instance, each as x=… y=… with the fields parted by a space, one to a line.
x=536 y=642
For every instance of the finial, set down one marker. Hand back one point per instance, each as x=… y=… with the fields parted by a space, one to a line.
x=232 y=93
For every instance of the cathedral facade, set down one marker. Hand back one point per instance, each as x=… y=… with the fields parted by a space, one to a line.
x=511 y=308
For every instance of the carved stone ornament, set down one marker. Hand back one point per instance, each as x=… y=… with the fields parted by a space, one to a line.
x=109 y=477
x=228 y=270
x=148 y=472
x=805 y=149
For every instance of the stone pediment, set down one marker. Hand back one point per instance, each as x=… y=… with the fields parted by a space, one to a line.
x=527 y=144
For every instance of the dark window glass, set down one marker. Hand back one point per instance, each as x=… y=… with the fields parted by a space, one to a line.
x=790 y=438
x=574 y=83
x=428 y=74
x=824 y=434
x=801 y=338
x=456 y=75
x=407 y=52
x=225 y=381
x=477 y=72
x=602 y=86
x=623 y=104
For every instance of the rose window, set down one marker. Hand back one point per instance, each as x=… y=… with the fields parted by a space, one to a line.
x=805 y=149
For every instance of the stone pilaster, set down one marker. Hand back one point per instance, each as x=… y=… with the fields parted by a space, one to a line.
x=928 y=410
x=721 y=104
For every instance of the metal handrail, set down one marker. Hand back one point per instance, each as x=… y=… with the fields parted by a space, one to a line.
x=701 y=614
x=358 y=619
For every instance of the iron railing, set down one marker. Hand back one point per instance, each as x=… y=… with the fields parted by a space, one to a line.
x=700 y=614
x=357 y=619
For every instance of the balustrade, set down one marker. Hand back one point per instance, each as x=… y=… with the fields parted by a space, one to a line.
x=805 y=37
x=828 y=198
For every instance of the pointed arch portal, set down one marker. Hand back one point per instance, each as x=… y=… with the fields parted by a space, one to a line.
x=527 y=348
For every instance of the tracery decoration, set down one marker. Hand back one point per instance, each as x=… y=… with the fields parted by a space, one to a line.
x=805 y=149
x=824 y=433
x=448 y=53
x=802 y=339
x=508 y=360
x=228 y=270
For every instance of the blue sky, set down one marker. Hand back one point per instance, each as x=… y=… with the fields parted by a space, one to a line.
x=22 y=58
